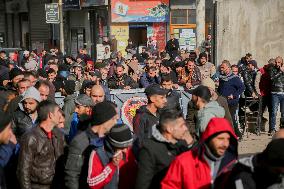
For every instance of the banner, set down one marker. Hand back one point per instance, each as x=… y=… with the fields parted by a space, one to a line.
x=121 y=33
x=159 y=34
x=140 y=11
x=71 y=4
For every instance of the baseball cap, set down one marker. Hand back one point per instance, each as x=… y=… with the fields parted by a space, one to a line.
x=84 y=100
x=155 y=89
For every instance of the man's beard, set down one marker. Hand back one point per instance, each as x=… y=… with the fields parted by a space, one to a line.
x=29 y=111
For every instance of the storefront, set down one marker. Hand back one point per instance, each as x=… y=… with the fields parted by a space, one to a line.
x=183 y=22
x=138 y=20
x=85 y=25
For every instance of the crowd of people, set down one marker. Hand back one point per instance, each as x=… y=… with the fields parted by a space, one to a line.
x=85 y=144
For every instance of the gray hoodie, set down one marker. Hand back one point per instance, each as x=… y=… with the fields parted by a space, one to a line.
x=212 y=109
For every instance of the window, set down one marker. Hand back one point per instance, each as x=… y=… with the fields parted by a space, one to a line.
x=183 y=16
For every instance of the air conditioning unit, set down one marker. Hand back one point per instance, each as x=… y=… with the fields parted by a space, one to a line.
x=16 y=6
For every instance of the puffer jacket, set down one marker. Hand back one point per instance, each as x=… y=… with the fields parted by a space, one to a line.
x=38 y=157
x=172 y=101
x=155 y=158
x=277 y=77
x=191 y=170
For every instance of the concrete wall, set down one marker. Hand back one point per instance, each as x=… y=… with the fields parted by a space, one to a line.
x=255 y=26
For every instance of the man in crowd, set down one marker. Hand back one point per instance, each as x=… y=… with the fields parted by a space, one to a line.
x=115 y=157
x=40 y=150
x=69 y=102
x=22 y=86
x=261 y=171
x=15 y=76
x=97 y=94
x=5 y=138
x=173 y=97
x=169 y=138
x=26 y=116
x=277 y=89
x=191 y=76
x=82 y=115
x=32 y=76
x=43 y=87
x=104 y=117
x=172 y=46
x=150 y=77
x=207 y=109
x=207 y=69
x=222 y=101
x=208 y=164
x=120 y=80
x=148 y=115
x=231 y=87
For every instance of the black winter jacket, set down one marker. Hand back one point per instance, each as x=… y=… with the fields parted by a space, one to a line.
x=172 y=101
x=22 y=123
x=277 y=77
x=249 y=79
x=119 y=83
x=38 y=157
x=142 y=124
x=76 y=168
x=155 y=158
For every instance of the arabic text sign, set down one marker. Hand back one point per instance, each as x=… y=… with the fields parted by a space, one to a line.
x=52 y=13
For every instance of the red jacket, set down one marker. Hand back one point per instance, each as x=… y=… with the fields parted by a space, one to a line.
x=99 y=175
x=191 y=171
x=265 y=81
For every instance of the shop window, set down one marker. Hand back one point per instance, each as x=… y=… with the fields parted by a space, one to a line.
x=179 y=16
x=191 y=16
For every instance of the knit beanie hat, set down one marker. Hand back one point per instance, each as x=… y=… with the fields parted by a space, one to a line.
x=208 y=82
x=102 y=112
x=4 y=120
x=273 y=155
x=15 y=72
x=120 y=136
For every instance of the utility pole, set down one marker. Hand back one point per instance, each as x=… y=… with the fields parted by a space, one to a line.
x=62 y=46
x=200 y=22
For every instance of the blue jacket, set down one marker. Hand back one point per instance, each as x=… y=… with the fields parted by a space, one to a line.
x=73 y=129
x=6 y=151
x=146 y=80
x=231 y=85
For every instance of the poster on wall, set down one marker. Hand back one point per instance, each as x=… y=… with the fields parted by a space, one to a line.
x=121 y=33
x=159 y=33
x=140 y=11
x=186 y=37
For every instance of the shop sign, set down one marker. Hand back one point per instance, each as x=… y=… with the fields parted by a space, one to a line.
x=52 y=13
x=121 y=33
x=90 y=3
x=186 y=37
x=140 y=11
x=71 y=4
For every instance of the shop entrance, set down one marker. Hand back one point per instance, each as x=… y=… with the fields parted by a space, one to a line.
x=138 y=34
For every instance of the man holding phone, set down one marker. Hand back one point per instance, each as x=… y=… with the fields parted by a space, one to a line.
x=277 y=93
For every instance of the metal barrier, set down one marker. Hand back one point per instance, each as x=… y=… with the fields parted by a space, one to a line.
x=119 y=96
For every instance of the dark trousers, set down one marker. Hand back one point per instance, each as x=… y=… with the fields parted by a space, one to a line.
x=233 y=111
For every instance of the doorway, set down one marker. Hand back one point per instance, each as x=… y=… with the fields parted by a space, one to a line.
x=138 y=34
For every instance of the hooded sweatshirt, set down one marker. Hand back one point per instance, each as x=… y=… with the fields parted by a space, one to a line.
x=191 y=170
x=212 y=109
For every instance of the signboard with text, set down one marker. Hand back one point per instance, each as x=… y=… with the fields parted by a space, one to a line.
x=52 y=13
x=71 y=4
x=121 y=33
x=140 y=11
x=89 y=3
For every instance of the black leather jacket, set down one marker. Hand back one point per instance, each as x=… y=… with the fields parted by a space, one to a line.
x=22 y=123
x=277 y=78
x=38 y=157
x=249 y=79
